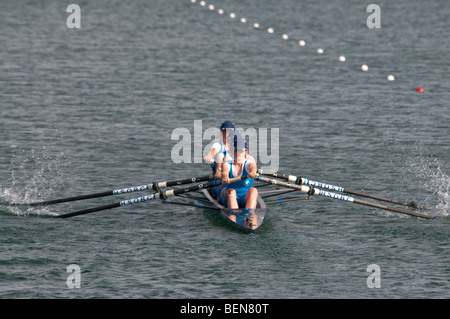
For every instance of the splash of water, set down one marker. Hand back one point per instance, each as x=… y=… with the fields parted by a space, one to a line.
x=415 y=153
x=434 y=179
x=34 y=173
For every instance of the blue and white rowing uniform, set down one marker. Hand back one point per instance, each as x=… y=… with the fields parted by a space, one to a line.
x=220 y=149
x=241 y=187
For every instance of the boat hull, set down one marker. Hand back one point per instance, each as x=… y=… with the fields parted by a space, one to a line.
x=247 y=220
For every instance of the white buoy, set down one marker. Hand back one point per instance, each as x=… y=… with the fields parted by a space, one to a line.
x=220 y=11
x=243 y=20
x=342 y=58
x=202 y=3
x=285 y=36
x=211 y=7
x=390 y=77
x=320 y=51
x=256 y=25
x=232 y=15
x=301 y=43
x=364 y=67
x=270 y=30
x=193 y=1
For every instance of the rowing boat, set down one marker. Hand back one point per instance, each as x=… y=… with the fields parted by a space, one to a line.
x=247 y=220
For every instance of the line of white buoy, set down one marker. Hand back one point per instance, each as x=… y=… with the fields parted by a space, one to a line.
x=284 y=36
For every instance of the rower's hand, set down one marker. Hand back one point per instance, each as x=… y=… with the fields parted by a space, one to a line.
x=252 y=174
x=218 y=175
x=225 y=179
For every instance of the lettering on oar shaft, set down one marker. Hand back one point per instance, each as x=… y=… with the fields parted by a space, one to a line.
x=130 y=190
x=327 y=186
x=337 y=196
x=137 y=200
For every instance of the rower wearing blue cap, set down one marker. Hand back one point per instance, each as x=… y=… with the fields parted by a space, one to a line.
x=240 y=194
x=220 y=150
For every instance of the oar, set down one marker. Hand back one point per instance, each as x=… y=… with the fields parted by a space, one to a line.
x=285 y=200
x=155 y=186
x=305 y=181
x=162 y=194
x=193 y=205
x=310 y=190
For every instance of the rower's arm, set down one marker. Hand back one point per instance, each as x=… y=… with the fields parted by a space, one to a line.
x=226 y=170
x=252 y=169
x=219 y=162
x=209 y=157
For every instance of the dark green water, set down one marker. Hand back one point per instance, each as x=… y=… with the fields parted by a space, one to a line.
x=93 y=109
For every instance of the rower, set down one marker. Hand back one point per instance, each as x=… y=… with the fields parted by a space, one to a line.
x=219 y=150
x=242 y=193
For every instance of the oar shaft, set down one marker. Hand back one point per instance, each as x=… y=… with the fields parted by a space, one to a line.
x=305 y=189
x=89 y=196
x=90 y=210
x=392 y=209
x=388 y=200
x=174 y=192
x=193 y=205
x=72 y=199
x=160 y=185
x=316 y=191
x=376 y=205
x=155 y=185
x=122 y=203
x=285 y=200
x=163 y=194
x=305 y=181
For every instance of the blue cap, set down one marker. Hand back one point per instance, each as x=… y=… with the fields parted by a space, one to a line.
x=227 y=125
